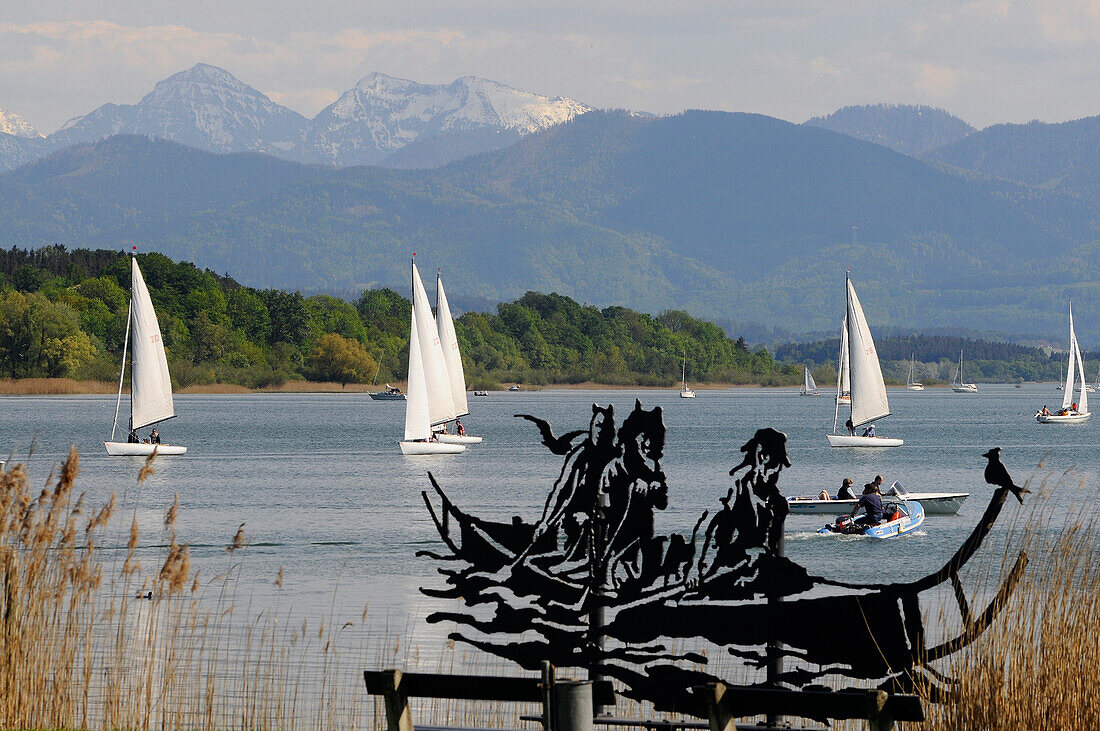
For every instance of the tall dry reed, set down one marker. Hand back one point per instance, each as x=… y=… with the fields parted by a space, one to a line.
x=86 y=642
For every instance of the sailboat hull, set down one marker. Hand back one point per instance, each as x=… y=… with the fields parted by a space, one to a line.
x=965 y=388
x=915 y=387
x=843 y=440
x=413 y=449
x=687 y=394
x=1067 y=419
x=458 y=439
x=130 y=449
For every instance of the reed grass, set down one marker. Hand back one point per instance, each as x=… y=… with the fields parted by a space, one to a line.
x=53 y=386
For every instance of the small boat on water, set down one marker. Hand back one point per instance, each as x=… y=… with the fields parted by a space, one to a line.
x=934 y=503
x=481 y=393
x=868 y=390
x=150 y=383
x=910 y=384
x=456 y=377
x=809 y=388
x=429 y=401
x=513 y=388
x=392 y=393
x=957 y=384
x=901 y=518
x=685 y=392
x=1071 y=412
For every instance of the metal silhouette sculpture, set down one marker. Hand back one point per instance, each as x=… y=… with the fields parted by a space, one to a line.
x=591 y=584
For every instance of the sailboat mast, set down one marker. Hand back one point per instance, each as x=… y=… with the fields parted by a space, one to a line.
x=843 y=349
x=122 y=373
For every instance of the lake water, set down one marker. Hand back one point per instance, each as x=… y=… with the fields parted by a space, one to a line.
x=324 y=493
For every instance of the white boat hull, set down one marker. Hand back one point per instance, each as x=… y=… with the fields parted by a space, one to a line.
x=423 y=448
x=458 y=439
x=965 y=388
x=384 y=396
x=687 y=394
x=130 y=449
x=935 y=503
x=915 y=387
x=1067 y=419
x=843 y=440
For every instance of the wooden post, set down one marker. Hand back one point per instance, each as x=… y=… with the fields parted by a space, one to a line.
x=547 y=696
x=718 y=712
x=398 y=715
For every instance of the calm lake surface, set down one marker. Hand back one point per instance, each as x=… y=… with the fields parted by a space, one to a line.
x=324 y=493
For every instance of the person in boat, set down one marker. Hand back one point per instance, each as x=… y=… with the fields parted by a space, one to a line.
x=154 y=437
x=133 y=437
x=1045 y=411
x=871 y=502
x=869 y=431
x=461 y=429
x=846 y=492
x=850 y=427
x=1073 y=407
x=824 y=495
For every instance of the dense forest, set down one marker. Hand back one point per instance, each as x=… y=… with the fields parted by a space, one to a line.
x=63 y=313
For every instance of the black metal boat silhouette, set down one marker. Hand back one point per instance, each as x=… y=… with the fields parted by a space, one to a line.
x=590 y=583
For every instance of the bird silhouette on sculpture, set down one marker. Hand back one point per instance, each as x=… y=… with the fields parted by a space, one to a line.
x=996 y=474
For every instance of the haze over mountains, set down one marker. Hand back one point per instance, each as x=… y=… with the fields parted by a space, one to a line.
x=381 y=121
x=731 y=216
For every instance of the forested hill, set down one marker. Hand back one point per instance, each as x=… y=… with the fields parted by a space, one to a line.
x=734 y=216
x=63 y=313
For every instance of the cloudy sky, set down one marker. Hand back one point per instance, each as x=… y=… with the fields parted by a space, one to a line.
x=987 y=61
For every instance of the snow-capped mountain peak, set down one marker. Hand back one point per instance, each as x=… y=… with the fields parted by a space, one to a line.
x=14 y=125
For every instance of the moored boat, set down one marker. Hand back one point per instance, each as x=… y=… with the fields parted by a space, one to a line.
x=685 y=392
x=957 y=384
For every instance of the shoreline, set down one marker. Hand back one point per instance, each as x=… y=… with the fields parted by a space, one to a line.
x=70 y=387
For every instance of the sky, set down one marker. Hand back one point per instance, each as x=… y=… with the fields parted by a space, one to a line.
x=988 y=61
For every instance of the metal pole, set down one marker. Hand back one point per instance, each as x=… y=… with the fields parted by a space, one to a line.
x=775 y=648
x=573 y=705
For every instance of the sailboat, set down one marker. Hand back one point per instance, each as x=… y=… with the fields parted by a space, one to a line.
x=869 y=400
x=957 y=384
x=1093 y=389
x=809 y=388
x=909 y=382
x=685 y=392
x=392 y=393
x=844 y=391
x=150 y=383
x=428 y=394
x=1070 y=413
x=455 y=375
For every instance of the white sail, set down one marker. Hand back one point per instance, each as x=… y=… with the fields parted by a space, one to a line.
x=1083 y=402
x=150 y=384
x=417 y=423
x=1067 y=396
x=449 y=341
x=441 y=404
x=810 y=386
x=843 y=369
x=869 y=400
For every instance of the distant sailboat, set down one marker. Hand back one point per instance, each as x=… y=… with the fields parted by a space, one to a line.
x=429 y=399
x=456 y=376
x=1070 y=413
x=809 y=388
x=957 y=384
x=869 y=400
x=909 y=382
x=685 y=392
x=844 y=390
x=150 y=384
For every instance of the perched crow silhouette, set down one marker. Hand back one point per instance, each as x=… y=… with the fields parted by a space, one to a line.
x=996 y=474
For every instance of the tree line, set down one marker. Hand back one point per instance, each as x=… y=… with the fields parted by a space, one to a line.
x=63 y=313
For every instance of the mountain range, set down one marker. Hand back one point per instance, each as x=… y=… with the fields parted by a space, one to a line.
x=727 y=215
x=381 y=121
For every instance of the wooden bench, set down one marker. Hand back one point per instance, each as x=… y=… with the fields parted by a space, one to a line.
x=725 y=704
x=397 y=687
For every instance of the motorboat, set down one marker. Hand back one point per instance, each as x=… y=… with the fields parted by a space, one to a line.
x=957 y=384
x=1071 y=412
x=901 y=518
x=150 y=383
x=429 y=401
x=868 y=390
x=935 y=503
x=809 y=388
x=448 y=341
